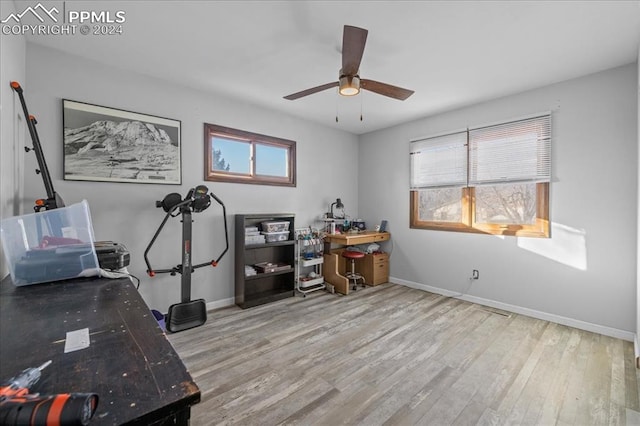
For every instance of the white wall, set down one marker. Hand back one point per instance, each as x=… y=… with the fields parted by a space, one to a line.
x=12 y=127
x=587 y=271
x=637 y=346
x=126 y=213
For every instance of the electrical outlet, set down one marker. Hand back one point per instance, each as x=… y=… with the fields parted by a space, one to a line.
x=476 y=274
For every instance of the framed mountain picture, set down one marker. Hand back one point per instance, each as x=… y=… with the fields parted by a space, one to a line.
x=113 y=145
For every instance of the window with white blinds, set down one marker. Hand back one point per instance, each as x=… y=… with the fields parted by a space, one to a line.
x=518 y=151
x=501 y=174
x=439 y=161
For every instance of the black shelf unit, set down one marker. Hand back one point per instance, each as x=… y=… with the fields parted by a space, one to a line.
x=267 y=287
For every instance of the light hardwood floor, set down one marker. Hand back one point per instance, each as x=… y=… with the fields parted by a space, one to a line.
x=392 y=355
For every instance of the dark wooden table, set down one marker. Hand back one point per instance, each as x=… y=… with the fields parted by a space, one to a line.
x=129 y=363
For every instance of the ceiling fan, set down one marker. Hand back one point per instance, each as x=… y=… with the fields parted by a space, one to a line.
x=349 y=81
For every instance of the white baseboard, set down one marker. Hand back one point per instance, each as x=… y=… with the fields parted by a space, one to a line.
x=217 y=304
x=582 y=325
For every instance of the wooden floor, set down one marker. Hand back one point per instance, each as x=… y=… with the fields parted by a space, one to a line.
x=392 y=355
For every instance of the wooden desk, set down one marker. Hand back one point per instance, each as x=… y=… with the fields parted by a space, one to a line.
x=130 y=364
x=333 y=262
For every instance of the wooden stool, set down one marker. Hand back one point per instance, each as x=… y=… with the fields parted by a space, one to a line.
x=353 y=275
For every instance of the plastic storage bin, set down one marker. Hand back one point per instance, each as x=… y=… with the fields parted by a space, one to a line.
x=254 y=239
x=275 y=226
x=273 y=237
x=49 y=246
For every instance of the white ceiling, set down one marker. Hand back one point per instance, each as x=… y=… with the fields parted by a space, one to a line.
x=452 y=53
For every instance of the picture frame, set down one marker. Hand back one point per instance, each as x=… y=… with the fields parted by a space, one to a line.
x=114 y=145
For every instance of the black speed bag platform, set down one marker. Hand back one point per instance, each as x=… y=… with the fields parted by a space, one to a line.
x=186 y=315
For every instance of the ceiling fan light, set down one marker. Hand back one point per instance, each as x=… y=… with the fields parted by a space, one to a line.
x=349 y=85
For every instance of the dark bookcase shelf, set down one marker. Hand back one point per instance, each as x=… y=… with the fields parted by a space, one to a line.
x=267 y=287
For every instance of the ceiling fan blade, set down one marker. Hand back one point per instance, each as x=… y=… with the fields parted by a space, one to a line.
x=353 y=41
x=386 y=89
x=311 y=91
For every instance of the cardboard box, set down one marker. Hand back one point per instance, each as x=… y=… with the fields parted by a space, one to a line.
x=50 y=245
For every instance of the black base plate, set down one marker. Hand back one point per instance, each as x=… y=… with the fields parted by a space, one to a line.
x=186 y=315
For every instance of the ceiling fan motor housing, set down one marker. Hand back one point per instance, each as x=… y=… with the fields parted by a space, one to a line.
x=349 y=84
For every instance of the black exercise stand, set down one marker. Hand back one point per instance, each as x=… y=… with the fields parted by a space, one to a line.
x=53 y=200
x=188 y=313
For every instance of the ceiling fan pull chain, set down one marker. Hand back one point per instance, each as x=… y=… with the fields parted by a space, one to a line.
x=360 y=107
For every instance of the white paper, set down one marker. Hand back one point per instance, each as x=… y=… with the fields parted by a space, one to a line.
x=76 y=340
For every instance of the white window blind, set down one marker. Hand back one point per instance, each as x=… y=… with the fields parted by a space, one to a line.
x=439 y=161
x=519 y=151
